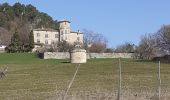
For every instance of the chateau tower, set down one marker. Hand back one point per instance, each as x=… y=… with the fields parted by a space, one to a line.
x=64 y=29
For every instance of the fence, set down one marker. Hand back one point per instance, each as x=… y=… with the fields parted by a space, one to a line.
x=119 y=94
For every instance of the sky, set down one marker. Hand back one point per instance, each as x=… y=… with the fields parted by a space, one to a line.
x=119 y=21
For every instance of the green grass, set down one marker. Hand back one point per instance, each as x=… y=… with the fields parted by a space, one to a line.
x=32 y=78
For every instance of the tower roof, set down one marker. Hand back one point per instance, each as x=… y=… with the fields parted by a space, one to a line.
x=64 y=21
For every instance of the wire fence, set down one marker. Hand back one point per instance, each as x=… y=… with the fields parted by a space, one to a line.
x=120 y=91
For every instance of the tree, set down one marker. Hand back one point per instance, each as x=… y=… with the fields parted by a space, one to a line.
x=63 y=46
x=31 y=40
x=3 y=20
x=146 y=48
x=18 y=9
x=109 y=50
x=127 y=47
x=44 y=20
x=163 y=39
x=27 y=45
x=30 y=12
x=15 y=45
x=94 y=42
x=54 y=47
x=97 y=47
x=7 y=11
x=5 y=36
x=23 y=18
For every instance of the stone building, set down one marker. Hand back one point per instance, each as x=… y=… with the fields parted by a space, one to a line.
x=49 y=36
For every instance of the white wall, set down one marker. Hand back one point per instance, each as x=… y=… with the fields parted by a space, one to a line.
x=72 y=37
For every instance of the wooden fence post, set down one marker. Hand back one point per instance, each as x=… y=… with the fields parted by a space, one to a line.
x=159 y=81
x=120 y=80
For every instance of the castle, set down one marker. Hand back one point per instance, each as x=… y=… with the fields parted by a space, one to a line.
x=48 y=37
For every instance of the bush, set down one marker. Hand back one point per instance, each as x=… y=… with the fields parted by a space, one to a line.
x=165 y=59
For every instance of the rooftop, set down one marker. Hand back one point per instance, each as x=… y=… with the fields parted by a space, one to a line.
x=47 y=29
x=76 y=32
x=64 y=21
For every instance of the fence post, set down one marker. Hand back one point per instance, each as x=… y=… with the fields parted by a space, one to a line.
x=159 y=81
x=120 y=80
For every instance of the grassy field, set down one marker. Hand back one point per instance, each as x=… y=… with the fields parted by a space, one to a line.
x=31 y=78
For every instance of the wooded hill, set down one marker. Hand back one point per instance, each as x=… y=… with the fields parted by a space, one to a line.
x=21 y=18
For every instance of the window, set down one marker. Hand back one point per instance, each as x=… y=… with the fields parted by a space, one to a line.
x=38 y=34
x=61 y=32
x=38 y=40
x=65 y=31
x=61 y=38
x=56 y=35
x=46 y=41
x=46 y=35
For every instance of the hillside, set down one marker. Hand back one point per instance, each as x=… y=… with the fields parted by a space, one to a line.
x=31 y=78
x=21 y=18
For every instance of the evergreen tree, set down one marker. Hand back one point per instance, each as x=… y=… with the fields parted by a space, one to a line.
x=18 y=9
x=31 y=40
x=16 y=44
x=22 y=16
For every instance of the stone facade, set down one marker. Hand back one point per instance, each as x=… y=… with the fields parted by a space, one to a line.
x=78 y=56
x=64 y=33
x=45 y=36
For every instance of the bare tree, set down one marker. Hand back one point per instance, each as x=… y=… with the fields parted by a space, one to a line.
x=88 y=38
x=147 y=47
x=54 y=47
x=63 y=46
x=24 y=32
x=163 y=38
x=94 y=42
x=97 y=47
x=127 y=47
x=5 y=36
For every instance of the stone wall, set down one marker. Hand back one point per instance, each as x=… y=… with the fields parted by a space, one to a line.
x=56 y=55
x=66 y=55
x=2 y=50
x=110 y=55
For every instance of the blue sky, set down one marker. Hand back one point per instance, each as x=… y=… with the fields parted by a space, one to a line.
x=118 y=20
